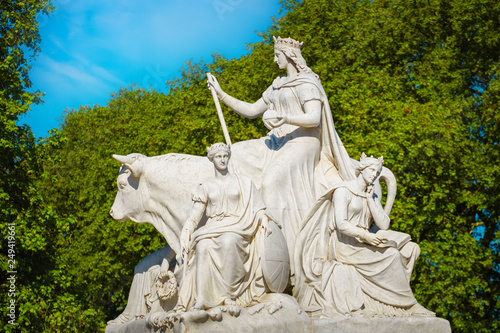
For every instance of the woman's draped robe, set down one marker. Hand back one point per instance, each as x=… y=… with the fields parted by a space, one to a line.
x=224 y=259
x=336 y=273
x=293 y=164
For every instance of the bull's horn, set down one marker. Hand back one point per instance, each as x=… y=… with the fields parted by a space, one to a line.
x=124 y=159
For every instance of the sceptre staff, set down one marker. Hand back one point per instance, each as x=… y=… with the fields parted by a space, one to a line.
x=211 y=79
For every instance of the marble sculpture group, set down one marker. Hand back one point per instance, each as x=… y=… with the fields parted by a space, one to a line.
x=289 y=213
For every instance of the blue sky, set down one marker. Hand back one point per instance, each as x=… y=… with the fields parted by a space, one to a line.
x=91 y=48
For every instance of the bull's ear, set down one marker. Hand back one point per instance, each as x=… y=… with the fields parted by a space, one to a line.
x=136 y=168
x=133 y=164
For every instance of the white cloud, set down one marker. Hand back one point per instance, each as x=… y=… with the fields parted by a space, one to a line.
x=106 y=75
x=78 y=72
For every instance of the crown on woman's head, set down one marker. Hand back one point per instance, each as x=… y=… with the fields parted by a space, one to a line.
x=380 y=159
x=287 y=42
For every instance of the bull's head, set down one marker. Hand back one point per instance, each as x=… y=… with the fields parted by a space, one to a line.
x=128 y=201
x=144 y=196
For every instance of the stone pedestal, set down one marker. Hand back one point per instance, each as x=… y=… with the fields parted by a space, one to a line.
x=291 y=319
x=386 y=325
x=277 y=313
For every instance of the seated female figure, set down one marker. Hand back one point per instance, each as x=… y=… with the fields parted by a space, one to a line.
x=345 y=268
x=302 y=154
x=221 y=259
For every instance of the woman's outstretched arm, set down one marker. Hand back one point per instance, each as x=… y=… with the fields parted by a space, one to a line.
x=245 y=109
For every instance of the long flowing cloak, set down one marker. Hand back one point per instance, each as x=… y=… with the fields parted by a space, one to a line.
x=292 y=165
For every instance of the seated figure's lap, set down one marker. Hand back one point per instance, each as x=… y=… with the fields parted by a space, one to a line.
x=225 y=241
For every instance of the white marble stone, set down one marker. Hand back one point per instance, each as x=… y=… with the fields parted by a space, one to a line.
x=386 y=325
x=289 y=320
x=222 y=260
x=297 y=182
x=277 y=313
x=153 y=289
x=342 y=267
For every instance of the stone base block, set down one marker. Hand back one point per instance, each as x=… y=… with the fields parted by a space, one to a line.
x=287 y=317
x=386 y=325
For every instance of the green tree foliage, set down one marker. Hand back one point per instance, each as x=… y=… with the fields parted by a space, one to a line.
x=414 y=81
x=41 y=295
x=19 y=40
x=417 y=82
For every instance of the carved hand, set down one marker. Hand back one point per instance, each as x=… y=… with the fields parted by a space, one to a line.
x=381 y=219
x=370 y=195
x=212 y=82
x=185 y=240
x=264 y=223
x=275 y=121
x=369 y=191
x=281 y=119
x=372 y=239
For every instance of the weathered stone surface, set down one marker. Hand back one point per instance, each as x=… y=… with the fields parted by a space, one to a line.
x=386 y=325
x=136 y=326
x=287 y=318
